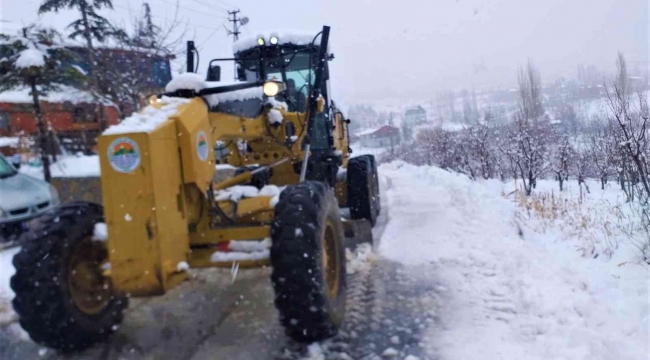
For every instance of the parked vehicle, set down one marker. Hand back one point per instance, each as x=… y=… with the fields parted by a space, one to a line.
x=22 y=198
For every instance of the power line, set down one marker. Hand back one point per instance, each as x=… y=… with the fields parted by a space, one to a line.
x=211 y=5
x=164 y=18
x=210 y=36
x=192 y=10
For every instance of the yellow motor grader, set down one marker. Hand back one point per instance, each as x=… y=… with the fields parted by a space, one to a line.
x=164 y=209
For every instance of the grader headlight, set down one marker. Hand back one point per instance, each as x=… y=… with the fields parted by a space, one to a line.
x=272 y=88
x=153 y=100
x=260 y=41
x=274 y=40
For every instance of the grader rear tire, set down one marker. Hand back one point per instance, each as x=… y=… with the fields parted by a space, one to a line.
x=375 y=177
x=363 y=190
x=308 y=260
x=62 y=298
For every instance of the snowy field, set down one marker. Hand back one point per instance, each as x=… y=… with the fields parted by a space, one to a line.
x=517 y=286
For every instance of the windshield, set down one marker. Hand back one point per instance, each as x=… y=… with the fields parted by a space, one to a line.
x=295 y=72
x=5 y=169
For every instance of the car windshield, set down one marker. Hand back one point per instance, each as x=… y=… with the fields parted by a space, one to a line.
x=5 y=169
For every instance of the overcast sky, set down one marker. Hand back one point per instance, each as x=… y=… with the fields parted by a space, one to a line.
x=410 y=49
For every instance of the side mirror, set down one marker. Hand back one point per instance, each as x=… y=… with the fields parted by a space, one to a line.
x=15 y=161
x=241 y=73
x=214 y=73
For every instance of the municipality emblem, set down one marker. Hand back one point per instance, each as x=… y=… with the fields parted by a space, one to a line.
x=124 y=155
x=202 y=146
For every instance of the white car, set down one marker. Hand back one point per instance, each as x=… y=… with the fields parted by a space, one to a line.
x=22 y=198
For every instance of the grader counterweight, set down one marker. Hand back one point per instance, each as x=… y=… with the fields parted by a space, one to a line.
x=164 y=208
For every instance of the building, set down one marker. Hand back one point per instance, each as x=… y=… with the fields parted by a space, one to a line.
x=71 y=113
x=384 y=136
x=415 y=116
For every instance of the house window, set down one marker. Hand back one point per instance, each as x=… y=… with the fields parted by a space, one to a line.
x=83 y=114
x=5 y=121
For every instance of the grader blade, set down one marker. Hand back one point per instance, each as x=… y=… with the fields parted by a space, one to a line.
x=356 y=232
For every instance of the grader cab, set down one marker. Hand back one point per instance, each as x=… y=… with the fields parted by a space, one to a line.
x=168 y=208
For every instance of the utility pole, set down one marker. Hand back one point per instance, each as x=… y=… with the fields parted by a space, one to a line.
x=236 y=24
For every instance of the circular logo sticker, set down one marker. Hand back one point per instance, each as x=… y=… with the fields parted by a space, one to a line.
x=124 y=155
x=202 y=145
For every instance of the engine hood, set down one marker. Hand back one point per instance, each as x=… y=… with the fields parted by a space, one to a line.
x=21 y=191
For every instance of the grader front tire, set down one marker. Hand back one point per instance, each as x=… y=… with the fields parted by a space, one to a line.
x=308 y=260
x=62 y=298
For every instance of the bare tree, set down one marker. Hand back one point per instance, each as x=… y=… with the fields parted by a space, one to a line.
x=603 y=154
x=630 y=115
x=561 y=160
x=526 y=142
x=581 y=164
x=480 y=144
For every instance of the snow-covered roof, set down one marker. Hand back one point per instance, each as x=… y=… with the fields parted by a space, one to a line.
x=66 y=93
x=149 y=118
x=9 y=141
x=295 y=37
x=367 y=132
x=380 y=131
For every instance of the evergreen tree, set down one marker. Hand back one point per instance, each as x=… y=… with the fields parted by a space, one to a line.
x=91 y=26
x=33 y=61
x=146 y=32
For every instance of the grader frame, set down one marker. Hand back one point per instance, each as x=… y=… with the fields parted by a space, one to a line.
x=161 y=210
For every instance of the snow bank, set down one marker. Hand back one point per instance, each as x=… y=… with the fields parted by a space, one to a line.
x=234 y=193
x=295 y=37
x=9 y=141
x=30 y=57
x=237 y=95
x=510 y=296
x=7 y=270
x=68 y=166
x=186 y=81
x=149 y=119
x=275 y=117
x=359 y=258
x=249 y=245
x=100 y=232
x=182 y=266
x=219 y=256
x=277 y=104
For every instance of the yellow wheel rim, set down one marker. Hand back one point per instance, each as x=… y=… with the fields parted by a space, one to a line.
x=331 y=265
x=89 y=289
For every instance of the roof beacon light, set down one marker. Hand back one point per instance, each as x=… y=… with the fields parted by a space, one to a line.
x=260 y=41
x=274 y=40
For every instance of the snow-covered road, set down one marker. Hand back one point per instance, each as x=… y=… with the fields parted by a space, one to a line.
x=509 y=292
x=457 y=274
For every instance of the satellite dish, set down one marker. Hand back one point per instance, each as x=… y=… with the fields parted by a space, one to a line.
x=244 y=20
